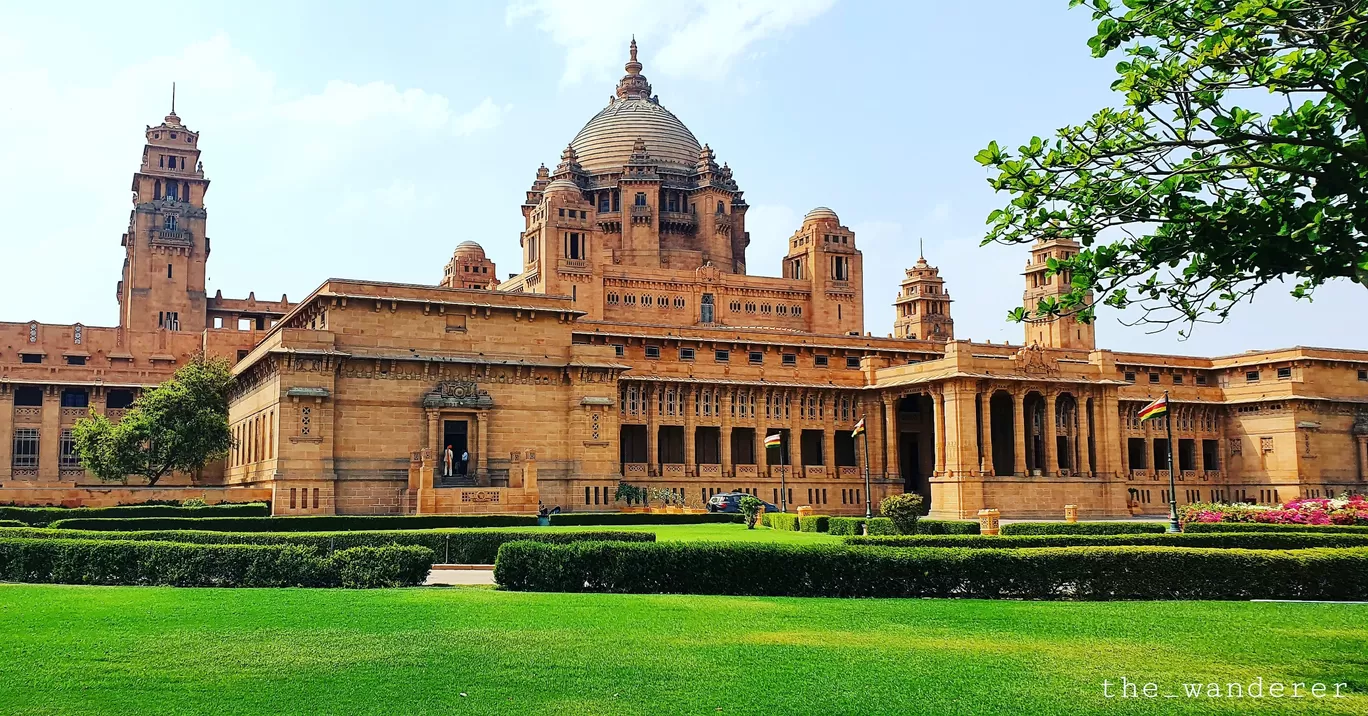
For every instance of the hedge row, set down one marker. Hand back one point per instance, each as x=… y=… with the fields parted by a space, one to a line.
x=643 y=518
x=475 y=546
x=1083 y=528
x=1225 y=540
x=884 y=526
x=1091 y=573
x=1269 y=527
x=310 y=523
x=40 y=516
x=127 y=562
x=12 y=523
x=787 y=521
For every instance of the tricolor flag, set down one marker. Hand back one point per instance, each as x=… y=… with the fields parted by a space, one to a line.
x=774 y=440
x=859 y=428
x=1155 y=409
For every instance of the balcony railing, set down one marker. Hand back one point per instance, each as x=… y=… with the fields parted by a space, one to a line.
x=171 y=236
x=672 y=469
x=814 y=471
x=641 y=214
x=634 y=469
x=747 y=470
x=845 y=472
x=706 y=470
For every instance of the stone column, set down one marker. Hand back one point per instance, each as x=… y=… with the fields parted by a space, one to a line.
x=725 y=443
x=1050 y=458
x=761 y=429
x=482 y=445
x=689 y=400
x=6 y=433
x=890 y=406
x=938 y=413
x=829 y=434
x=986 y=463
x=795 y=426
x=1085 y=466
x=652 y=430
x=1019 y=414
x=50 y=435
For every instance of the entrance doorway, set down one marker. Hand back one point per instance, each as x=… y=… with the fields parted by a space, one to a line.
x=454 y=433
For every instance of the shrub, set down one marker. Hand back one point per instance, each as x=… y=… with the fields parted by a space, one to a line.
x=470 y=546
x=884 y=526
x=1083 y=528
x=904 y=510
x=1268 y=527
x=750 y=507
x=643 y=518
x=312 y=523
x=1240 y=540
x=39 y=516
x=376 y=567
x=124 y=562
x=1087 y=573
x=781 y=521
x=814 y=523
x=12 y=523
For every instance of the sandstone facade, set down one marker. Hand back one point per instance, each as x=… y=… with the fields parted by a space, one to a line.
x=633 y=346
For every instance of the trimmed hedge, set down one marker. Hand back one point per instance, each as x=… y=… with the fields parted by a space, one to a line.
x=40 y=516
x=884 y=526
x=310 y=523
x=127 y=562
x=1084 y=528
x=1084 y=573
x=814 y=523
x=1270 y=527
x=474 y=546
x=1226 y=540
x=644 y=518
x=12 y=523
x=780 y=521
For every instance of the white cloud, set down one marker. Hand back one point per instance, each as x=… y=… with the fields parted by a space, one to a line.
x=486 y=115
x=700 y=39
x=344 y=104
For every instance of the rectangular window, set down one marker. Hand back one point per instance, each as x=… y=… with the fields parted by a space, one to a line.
x=168 y=270
x=722 y=356
x=1130 y=377
x=1201 y=380
x=619 y=350
x=1284 y=373
x=1252 y=376
x=789 y=359
x=31 y=358
x=853 y=362
x=1177 y=379
x=218 y=321
x=75 y=360
x=574 y=245
x=756 y=357
x=67 y=458
x=1363 y=375
x=244 y=324
x=1153 y=377
x=821 y=361
x=653 y=352
x=686 y=354
x=25 y=448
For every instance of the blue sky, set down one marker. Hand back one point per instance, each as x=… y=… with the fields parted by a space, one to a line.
x=365 y=141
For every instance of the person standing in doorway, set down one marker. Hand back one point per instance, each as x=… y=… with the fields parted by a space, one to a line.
x=465 y=462
x=447 y=458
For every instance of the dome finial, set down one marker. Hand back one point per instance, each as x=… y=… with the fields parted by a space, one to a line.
x=633 y=67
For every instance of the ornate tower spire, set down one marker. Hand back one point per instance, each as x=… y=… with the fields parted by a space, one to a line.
x=923 y=305
x=633 y=85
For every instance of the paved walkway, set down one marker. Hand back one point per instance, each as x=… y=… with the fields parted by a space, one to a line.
x=460 y=574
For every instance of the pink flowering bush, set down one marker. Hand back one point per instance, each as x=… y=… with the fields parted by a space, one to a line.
x=1351 y=510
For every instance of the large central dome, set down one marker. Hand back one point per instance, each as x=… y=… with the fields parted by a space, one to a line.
x=605 y=143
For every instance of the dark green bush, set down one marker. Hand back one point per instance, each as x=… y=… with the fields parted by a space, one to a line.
x=1241 y=540
x=40 y=516
x=814 y=523
x=904 y=510
x=379 y=567
x=1083 y=528
x=472 y=546
x=883 y=526
x=1088 y=573
x=311 y=523
x=1267 y=527
x=12 y=523
x=644 y=518
x=781 y=521
x=70 y=561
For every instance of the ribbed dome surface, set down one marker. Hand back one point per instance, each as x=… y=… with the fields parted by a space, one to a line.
x=605 y=143
x=470 y=248
x=820 y=212
x=560 y=185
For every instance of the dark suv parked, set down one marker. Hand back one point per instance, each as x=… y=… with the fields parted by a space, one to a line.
x=731 y=502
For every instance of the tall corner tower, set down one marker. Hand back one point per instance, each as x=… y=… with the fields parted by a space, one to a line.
x=923 y=305
x=823 y=253
x=166 y=249
x=1063 y=332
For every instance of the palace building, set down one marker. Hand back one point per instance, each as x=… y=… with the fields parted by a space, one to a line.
x=632 y=346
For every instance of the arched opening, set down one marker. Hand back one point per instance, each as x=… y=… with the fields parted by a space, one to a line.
x=1034 y=407
x=1002 y=425
x=1066 y=432
x=916 y=444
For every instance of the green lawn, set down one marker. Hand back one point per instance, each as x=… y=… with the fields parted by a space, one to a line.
x=77 y=650
x=725 y=532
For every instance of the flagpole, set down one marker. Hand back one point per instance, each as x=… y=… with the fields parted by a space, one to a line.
x=1173 y=489
x=869 y=506
x=783 y=477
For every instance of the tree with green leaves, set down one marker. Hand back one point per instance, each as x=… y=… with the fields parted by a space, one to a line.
x=178 y=426
x=1239 y=159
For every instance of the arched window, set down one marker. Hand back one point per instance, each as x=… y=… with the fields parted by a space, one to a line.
x=721 y=209
x=169 y=223
x=156 y=190
x=641 y=198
